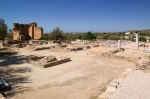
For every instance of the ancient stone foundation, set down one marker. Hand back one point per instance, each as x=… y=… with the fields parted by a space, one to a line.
x=41 y=48
x=47 y=61
x=112 y=54
x=27 y=31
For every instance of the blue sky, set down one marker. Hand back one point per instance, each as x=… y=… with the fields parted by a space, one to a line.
x=78 y=15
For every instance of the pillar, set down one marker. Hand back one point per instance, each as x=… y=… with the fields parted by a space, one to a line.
x=119 y=44
x=137 y=41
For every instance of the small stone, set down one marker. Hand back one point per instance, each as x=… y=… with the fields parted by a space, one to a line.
x=111 y=89
x=114 y=83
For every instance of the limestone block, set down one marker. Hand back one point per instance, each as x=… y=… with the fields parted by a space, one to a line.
x=48 y=59
x=41 y=48
x=111 y=89
x=114 y=83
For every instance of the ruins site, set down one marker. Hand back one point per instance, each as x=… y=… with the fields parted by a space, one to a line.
x=44 y=69
x=74 y=49
x=26 y=31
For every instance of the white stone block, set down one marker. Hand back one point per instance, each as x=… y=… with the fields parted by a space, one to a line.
x=111 y=89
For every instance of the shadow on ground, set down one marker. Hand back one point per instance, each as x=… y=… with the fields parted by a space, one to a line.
x=13 y=75
x=7 y=60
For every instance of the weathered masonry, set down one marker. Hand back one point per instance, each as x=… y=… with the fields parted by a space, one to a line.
x=27 y=31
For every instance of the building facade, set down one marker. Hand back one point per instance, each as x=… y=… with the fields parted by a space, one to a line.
x=27 y=31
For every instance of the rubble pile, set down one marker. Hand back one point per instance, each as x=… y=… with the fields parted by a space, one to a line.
x=144 y=63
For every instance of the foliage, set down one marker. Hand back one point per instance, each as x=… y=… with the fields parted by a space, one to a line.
x=141 y=38
x=3 y=29
x=111 y=36
x=10 y=36
x=89 y=36
x=45 y=36
x=72 y=36
x=57 y=34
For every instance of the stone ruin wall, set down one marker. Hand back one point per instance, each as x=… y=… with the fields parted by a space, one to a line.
x=31 y=31
x=16 y=34
x=38 y=32
x=26 y=31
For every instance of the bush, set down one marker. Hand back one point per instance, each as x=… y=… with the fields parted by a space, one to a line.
x=89 y=36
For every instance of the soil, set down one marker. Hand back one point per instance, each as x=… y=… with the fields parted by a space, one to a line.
x=84 y=77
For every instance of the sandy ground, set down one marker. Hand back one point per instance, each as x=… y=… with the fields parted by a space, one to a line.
x=135 y=86
x=85 y=77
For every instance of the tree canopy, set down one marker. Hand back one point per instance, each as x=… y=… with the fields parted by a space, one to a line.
x=3 y=29
x=56 y=34
x=89 y=36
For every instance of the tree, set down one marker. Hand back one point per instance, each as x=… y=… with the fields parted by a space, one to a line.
x=10 y=34
x=142 y=38
x=57 y=34
x=45 y=36
x=89 y=36
x=3 y=29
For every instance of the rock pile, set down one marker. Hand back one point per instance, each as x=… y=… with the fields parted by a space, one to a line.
x=144 y=63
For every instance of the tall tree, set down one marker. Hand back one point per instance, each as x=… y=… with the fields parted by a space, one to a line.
x=57 y=34
x=3 y=29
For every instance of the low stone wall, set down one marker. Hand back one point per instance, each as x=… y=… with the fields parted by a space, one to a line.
x=6 y=53
x=56 y=62
x=49 y=64
x=112 y=54
x=41 y=48
x=130 y=59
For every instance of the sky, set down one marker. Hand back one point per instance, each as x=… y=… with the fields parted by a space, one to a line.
x=78 y=15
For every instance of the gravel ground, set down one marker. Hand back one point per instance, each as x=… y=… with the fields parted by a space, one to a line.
x=135 y=86
x=85 y=77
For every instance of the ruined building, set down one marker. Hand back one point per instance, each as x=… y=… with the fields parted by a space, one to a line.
x=27 y=31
